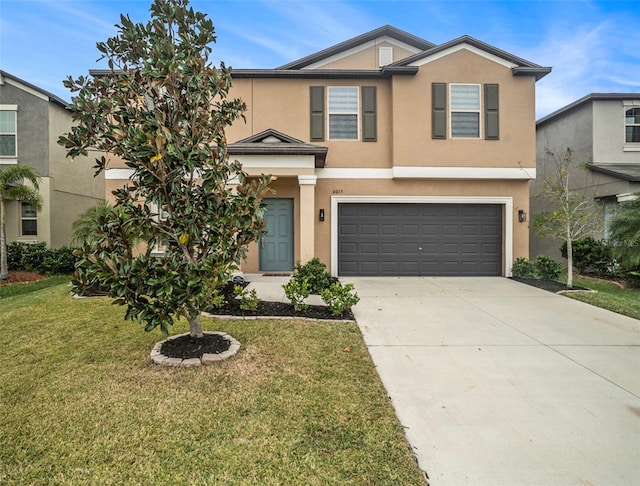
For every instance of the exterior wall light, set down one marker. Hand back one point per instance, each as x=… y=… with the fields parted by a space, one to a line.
x=321 y=215
x=522 y=216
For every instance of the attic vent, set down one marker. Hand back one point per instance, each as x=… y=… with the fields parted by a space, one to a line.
x=385 y=55
x=271 y=139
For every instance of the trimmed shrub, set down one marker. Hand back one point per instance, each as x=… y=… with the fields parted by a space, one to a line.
x=36 y=257
x=316 y=275
x=523 y=268
x=590 y=254
x=547 y=268
x=340 y=298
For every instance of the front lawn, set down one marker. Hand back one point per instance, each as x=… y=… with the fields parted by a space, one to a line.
x=81 y=403
x=608 y=296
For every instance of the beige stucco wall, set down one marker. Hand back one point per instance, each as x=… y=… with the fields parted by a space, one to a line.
x=367 y=58
x=412 y=142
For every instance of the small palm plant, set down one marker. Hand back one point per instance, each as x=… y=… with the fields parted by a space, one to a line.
x=12 y=188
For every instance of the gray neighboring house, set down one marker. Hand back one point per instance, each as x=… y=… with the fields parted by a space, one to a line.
x=31 y=120
x=602 y=129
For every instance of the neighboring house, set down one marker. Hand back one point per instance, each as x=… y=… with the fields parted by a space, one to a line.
x=31 y=120
x=393 y=156
x=603 y=130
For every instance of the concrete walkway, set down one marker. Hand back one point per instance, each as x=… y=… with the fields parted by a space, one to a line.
x=499 y=383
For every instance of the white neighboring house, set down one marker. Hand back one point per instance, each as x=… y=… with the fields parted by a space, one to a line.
x=31 y=120
x=603 y=129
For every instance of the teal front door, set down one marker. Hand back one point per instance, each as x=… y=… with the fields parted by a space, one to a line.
x=276 y=245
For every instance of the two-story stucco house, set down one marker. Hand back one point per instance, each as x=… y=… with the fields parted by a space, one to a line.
x=603 y=130
x=393 y=156
x=31 y=120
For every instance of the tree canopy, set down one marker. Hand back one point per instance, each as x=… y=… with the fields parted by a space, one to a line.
x=161 y=109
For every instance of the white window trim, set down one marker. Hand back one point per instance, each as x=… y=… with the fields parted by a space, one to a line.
x=478 y=111
x=629 y=146
x=11 y=159
x=357 y=113
x=507 y=202
x=23 y=218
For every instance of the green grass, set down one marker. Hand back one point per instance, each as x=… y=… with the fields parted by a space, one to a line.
x=609 y=296
x=25 y=288
x=81 y=403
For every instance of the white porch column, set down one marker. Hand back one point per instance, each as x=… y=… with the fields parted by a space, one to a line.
x=307 y=216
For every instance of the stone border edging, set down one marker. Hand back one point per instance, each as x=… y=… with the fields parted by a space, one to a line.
x=208 y=358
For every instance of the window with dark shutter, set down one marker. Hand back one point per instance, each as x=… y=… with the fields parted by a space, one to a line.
x=369 y=122
x=491 y=112
x=439 y=110
x=316 y=97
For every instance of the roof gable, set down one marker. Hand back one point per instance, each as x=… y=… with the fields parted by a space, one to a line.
x=273 y=142
x=585 y=100
x=386 y=33
x=31 y=88
x=518 y=65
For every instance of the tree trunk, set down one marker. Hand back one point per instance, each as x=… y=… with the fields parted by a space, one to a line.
x=4 y=268
x=195 y=325
x=569 y=263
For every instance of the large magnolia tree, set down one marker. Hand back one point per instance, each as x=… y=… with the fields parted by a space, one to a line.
x=162 y=108
x=574 y=214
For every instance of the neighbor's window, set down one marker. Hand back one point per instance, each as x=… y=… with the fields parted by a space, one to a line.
x=8 y=147
x=343 y=113
x=632 y=125
x=29 y=220
x=465 y=110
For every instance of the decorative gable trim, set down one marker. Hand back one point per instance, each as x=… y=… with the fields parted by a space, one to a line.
x=400 y=37
x=518 y=65
x=460 y=47
x=373 y=43
x=271 y=142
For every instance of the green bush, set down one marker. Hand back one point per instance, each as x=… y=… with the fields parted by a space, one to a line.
x=632 y=279
x=296 y=290
x=316 y=275
x=524 y=268
x=36 y=257
x=547 y=268
x=248 y=300
x=340 y=298
x=542 y=268
x=590 y=254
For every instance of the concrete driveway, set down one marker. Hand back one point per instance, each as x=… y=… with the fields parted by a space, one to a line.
x=499 y=383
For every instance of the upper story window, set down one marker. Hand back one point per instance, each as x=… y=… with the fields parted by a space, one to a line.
x=343 y=113
x=28 y=220
x=8 y=132
x=465 y=110
x=632 y=125
x=347 y=112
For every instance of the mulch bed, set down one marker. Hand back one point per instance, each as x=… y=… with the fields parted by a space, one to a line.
x=549 y=285
x=19 y=276
x=271 y=309
x=187 y=347
x=278 y=309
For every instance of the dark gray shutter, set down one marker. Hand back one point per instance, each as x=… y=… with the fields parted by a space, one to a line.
x=316 y=96
x=491 y=114
x=369 y=129
x=439 y=110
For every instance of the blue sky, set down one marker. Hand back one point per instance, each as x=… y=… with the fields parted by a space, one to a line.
x=593 y=46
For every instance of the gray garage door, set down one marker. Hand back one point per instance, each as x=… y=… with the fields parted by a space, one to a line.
x=419 y=239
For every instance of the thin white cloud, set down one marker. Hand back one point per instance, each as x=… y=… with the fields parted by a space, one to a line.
x=583 y=61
